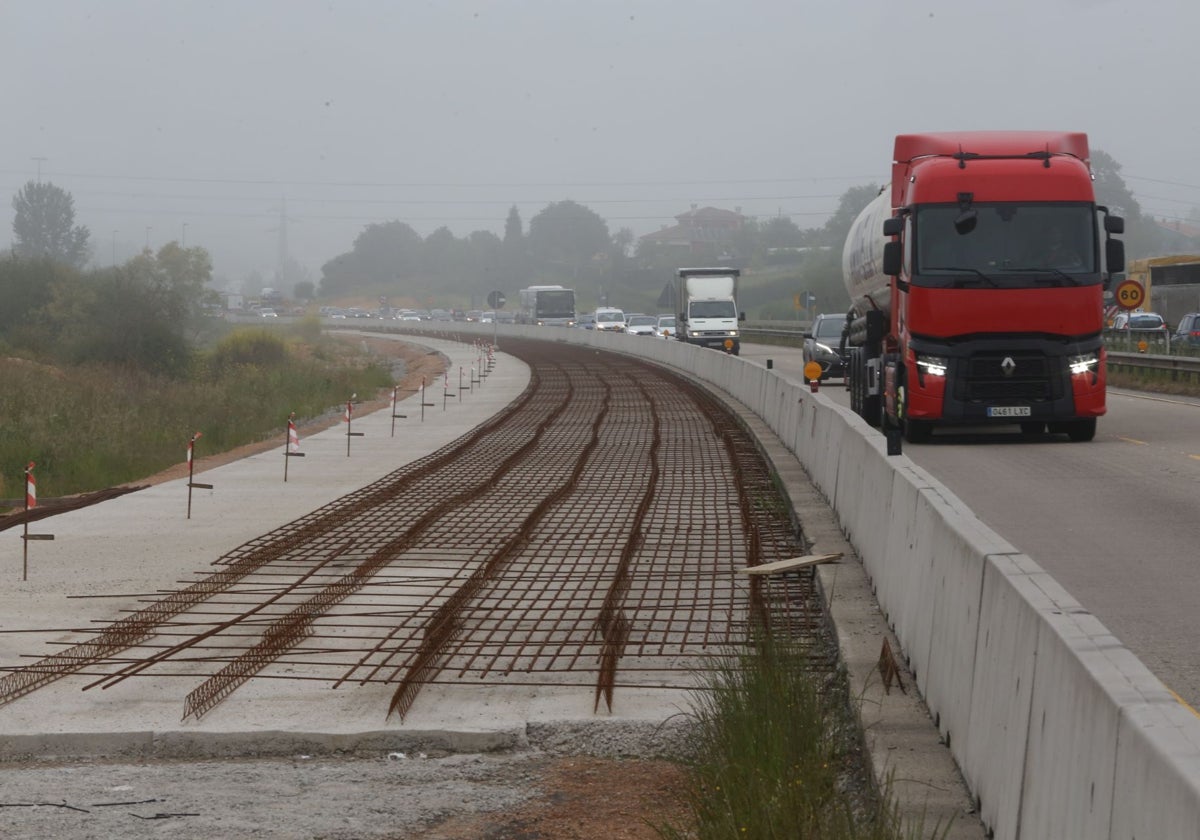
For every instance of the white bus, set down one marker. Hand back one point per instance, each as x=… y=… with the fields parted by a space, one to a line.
x=547 y=306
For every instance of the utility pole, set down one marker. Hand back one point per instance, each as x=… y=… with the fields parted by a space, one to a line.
x=283 y=242
x=183 y=238
x=39 y=163
x=115 y=248
x=148 y=229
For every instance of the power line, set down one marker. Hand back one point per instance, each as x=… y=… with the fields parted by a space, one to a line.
x=1160 y=181
x=503 y=202
x=354 y=218
x=1139 y=197
x=448 y=184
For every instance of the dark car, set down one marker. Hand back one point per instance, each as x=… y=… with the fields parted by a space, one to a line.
x=821 y=345
x=1188 y=331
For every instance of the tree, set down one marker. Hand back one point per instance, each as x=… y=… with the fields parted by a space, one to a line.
x=124 y=316
x=623 y=242
x=45 y=225
x=1110 y=188
x=444 y=256
x=850 y=205
x=27 y=287
x=781 y=232
x=513 y=234
x=487 y=260
x=1141 y=237
x=514 y=255
x=567 y=236
x=383 y=254
x=304 y=290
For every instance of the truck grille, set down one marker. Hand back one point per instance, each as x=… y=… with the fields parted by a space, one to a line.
x=1032 y=378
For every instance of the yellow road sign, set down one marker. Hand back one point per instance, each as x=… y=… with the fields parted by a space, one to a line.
x=1130 y=294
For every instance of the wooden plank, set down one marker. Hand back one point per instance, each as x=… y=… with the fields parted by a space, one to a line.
x=790 y=563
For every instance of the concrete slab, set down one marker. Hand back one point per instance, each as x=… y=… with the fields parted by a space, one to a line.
x=109 y=559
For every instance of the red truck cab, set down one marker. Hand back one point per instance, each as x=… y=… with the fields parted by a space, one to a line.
x=978 y=282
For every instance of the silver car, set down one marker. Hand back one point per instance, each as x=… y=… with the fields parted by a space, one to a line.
x=641 y=325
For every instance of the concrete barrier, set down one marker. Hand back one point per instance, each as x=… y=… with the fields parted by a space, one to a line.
x=1058 y=729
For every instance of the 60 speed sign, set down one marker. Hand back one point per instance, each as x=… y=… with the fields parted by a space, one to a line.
x=1130 y=294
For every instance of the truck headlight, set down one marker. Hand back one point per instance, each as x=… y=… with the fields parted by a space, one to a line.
x=1082 y=363
x=932 y=365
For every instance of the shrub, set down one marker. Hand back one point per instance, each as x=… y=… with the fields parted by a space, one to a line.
x=257 y=347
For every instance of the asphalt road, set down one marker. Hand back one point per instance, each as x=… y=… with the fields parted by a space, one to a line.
x=1115 y=521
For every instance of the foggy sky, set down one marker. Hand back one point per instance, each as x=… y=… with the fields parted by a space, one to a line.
x=199 y=120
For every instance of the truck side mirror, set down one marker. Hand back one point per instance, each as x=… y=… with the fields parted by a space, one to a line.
x=1114 y=256
x=893 y=226
x=1114 y=224
x=741 y=316
x=893 y=257
x=681 y=317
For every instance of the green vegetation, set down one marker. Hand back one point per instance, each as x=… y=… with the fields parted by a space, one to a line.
x=94 y=426
x=777 y=754
x=1157 y=381
x=44 y=225
x=106 y=374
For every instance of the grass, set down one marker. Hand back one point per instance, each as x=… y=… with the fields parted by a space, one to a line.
x=93 y=427
x=1155 y=381
x=777 y=753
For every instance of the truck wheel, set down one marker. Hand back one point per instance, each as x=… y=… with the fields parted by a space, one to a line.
x=853 y=381
x=1082 y=431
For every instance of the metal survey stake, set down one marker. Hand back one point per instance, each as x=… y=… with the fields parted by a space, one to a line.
x=291 y=448
x=395 y=391
x=191 y=462
x=348 y=418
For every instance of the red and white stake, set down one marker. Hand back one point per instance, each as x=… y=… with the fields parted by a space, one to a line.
x=292 y=448
x=30 y=503
x=30 y=487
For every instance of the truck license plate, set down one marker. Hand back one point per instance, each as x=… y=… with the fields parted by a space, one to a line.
x=1008 y=411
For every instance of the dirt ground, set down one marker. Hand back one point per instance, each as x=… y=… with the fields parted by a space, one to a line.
x=521 y=796
x=527 y=795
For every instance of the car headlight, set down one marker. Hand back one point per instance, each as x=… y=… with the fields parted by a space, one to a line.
x=932 y=365
x=1082 y=363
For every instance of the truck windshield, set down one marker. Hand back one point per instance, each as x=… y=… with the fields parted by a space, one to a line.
x=713 y=309
x=1010 y=245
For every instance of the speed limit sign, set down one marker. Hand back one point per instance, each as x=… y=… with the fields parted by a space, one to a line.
x=496 y=300
x=1130 y=294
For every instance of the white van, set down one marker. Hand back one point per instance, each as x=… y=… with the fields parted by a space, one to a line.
x=610 y=320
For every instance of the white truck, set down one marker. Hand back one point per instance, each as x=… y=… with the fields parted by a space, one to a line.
x=706 y=307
